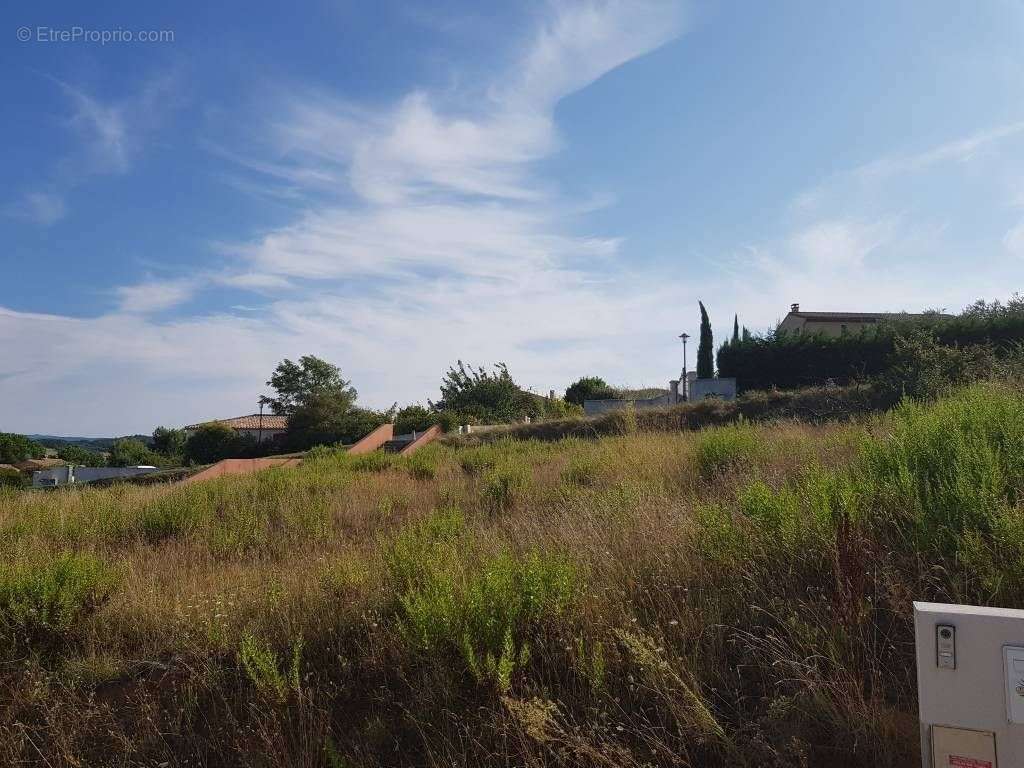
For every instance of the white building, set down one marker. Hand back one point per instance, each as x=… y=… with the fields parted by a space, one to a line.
x=71 y=475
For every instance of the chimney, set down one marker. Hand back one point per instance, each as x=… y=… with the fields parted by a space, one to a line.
x=795 y=307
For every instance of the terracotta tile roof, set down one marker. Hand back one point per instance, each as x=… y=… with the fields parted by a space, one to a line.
x=252 y=421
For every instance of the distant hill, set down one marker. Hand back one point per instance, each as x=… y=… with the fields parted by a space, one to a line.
x=98 y=444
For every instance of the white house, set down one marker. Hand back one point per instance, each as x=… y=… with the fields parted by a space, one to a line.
x=71 y=475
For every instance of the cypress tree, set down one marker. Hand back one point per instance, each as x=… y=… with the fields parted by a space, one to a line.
x=735 y=329
x=705 y=362
x=746 y=333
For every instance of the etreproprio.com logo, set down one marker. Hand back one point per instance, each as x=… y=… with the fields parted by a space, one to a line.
x=76 y=34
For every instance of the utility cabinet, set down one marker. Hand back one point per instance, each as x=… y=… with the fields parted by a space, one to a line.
x=970 y=680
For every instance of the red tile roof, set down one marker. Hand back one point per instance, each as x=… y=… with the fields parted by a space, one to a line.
x=270 y=421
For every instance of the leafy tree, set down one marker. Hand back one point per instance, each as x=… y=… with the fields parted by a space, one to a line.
x=735 y=329
x=585 y=389
x=415 y=418
x=129 y=452
x=82 y=457
x=15 y=448
x=215 y=441
x=329 y=418
x=478 y=395
x=168 y=441
x=705 y=361
x=298 y=385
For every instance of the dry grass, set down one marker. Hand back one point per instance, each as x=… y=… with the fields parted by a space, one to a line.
x=736 y=596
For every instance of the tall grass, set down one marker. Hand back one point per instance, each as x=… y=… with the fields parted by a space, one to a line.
x=735 y=596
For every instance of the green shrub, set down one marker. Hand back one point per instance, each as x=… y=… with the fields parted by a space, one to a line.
x=488 y=613
x=261 y=666
x=422 y=464
x=582 y=470
x=477 y=460
x=375 y=461
x=722 y=448
x=503 y=485
x=719 y=539
x=46 y=602
x=949 y=468
x=420 y=548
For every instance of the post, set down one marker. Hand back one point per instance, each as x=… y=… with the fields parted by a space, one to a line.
x=259 y=439
x=683 y=379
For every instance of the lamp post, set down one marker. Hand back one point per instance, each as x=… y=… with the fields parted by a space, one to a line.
x=686 y=388
x=259 y=440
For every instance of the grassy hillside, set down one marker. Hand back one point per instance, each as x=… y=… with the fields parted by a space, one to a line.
x=736 y=596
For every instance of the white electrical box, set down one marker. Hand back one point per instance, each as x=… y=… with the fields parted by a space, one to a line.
x=1013 y=667
x=970 y=683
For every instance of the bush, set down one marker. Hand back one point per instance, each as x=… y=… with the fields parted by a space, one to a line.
x=586 y=388
x=488 y=614
x=503 y=485
x=950 y=468
x=414 y=418
x=129 y=452
x=375 y=461
x=81 y=457
x=45 y=603
x=261 y=666
x=422 y=464
x=725 y=447
x=214 y=441
x=169 y=442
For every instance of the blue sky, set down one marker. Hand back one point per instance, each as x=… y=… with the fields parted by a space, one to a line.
x=394 y=186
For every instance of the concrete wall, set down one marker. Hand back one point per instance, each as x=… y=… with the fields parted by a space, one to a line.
x=422 y=438
x=698 y=389
x=598 y=407
x=722 y=389
x=374 y=440
x=973 y=695
x=240 y=467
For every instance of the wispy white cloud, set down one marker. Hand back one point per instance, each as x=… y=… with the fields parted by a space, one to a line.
x=43 y=208
x=839 y=243
x=155 y=295
x=426 y=235
x=108 y=137
x=959 y=150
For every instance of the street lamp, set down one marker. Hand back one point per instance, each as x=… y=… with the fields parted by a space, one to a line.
x=686 y=389
x=259 y=439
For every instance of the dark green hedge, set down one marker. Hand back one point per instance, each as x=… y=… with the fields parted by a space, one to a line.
x=790 y=361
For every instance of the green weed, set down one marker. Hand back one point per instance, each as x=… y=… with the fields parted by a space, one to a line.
x=723 y=448
x=42 y=603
